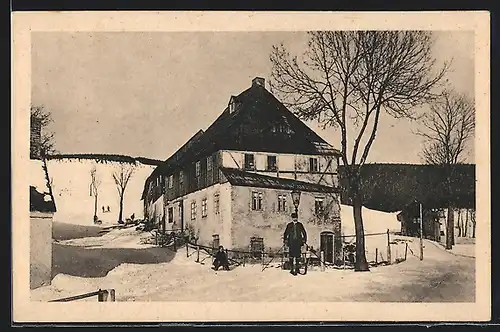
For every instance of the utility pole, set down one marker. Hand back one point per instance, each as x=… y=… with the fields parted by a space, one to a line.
x=421 y=233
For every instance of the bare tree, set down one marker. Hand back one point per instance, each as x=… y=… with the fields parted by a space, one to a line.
x=449 y=125
x=346 y=80
x=42 y=141
x=473 y=220
x=94 y=189
x=122 y=177
x=40 y=118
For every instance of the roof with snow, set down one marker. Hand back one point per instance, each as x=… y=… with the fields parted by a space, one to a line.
x=241 y=178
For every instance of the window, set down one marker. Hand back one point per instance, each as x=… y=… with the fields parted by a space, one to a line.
x=281 y=203
x=271 y=163
x=171 y=181
x=318 y=205
x=249 y=161
x=256 y=246
x=216 y=203
x=210 y=174
x=204 y=207
x=198 y=168
x=256 y=201
x=313 y=165
x=170 y=215
x=181 y=179
x=193 y=210
x=215 y=241
x=209 y=163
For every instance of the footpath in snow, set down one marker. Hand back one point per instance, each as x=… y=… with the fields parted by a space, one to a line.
x=139 y=272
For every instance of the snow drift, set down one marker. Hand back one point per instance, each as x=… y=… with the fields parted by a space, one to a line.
x=373 y=221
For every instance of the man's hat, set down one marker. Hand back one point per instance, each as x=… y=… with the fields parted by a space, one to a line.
x=294 y=215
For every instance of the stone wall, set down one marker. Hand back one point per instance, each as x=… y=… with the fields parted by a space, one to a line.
x=269 y=223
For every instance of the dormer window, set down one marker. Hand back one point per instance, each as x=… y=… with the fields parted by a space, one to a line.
x=232 y=104
x=249 y=161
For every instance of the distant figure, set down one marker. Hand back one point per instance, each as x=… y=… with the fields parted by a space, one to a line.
x=221 y=260
x=132 y=217
x=295 y=237
x=108 y=209
x=103 y=209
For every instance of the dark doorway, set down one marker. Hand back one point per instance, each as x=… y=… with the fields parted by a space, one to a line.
x=215 y=242
x=326 y=245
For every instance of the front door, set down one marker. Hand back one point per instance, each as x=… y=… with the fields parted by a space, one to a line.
x=326 y=245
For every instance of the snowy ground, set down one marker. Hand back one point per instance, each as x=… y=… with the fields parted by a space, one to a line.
x=143 y=273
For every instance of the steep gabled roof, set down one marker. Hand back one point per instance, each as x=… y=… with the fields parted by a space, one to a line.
x=247 y=179
x=249 y=128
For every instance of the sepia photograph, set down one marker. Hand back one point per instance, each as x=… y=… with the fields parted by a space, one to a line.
x=179 y=163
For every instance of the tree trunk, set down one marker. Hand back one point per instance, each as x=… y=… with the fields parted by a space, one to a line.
x=120 y=215
x=47 y=179
x=95 y=206
x=361 y=264
x=449 y=228
x=466 y=222
x=473 y=227
x=459 y=224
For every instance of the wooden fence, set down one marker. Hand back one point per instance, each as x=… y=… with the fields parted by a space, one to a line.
x=103 y=295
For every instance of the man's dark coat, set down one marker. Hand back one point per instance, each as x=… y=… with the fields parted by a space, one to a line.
x=294 y=237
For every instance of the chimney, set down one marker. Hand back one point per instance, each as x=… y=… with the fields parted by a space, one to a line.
x=259 y=81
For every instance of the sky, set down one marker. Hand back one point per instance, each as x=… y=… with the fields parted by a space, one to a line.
x=145 y=94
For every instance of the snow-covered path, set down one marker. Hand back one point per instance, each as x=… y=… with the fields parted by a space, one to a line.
x=441 y=277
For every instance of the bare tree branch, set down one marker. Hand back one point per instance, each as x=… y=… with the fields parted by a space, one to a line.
x=121 y=178
x=346 y=79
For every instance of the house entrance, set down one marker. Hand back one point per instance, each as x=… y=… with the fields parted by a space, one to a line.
x=326 y=245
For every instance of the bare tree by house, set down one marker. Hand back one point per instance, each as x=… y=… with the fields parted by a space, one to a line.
x=94 y=189
x=42 y=142
x=122 y=177
x=40 y=118
x=346 y=80
x=449 y=125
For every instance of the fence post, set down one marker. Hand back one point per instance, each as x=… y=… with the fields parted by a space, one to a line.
x=187 y=250
x=102 y=296
x=244 y=259
x=197 y=253
x=376 y=256
x=388 y=247
x=406 y=250
x=322 y=258
x=112 y=295
x=175 y=242
x=262 y=258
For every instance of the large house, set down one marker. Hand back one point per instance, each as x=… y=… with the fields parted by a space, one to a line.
x=231 y=184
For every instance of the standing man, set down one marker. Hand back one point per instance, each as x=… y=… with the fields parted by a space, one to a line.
x=295 y=237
